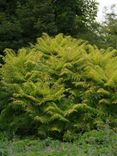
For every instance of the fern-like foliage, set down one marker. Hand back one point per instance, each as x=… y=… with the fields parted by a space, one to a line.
x=57 y=85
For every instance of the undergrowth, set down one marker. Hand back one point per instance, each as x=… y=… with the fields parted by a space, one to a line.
x=93 y=143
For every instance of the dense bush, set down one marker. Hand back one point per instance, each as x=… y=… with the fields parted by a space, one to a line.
x=58 y=87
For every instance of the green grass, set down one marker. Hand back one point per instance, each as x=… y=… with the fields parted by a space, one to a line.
x=93 y=143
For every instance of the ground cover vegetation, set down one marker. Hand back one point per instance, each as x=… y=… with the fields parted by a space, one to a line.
x=98 y=143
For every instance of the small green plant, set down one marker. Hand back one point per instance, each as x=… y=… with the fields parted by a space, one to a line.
x=57 y=86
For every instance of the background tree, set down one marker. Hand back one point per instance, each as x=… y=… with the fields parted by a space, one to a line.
x=110 y=28
x=103 y=34
x=74 y=16
x=23 y=21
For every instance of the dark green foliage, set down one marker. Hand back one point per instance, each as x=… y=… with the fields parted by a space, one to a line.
x=23 y=21
x=74 y=16
x=59 y=86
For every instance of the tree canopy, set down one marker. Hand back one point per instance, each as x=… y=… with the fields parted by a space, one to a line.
x=23 y=21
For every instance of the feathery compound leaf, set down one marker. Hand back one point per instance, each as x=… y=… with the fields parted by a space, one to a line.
x=104 y=101
x=58 y=117
x=78 y=108
x=102 y=91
